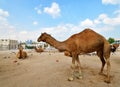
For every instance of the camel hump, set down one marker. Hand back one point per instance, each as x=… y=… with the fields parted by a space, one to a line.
x=88 y=30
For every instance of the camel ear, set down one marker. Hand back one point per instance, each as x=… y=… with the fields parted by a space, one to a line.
x=45 y=33
x=42 y=33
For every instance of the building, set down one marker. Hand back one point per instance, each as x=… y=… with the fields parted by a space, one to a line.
x=8 y=44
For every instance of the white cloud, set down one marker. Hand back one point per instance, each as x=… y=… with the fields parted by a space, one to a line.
x=38 y=10
x=3 y=19
x=8 y=31
x=112 y=21
x=103 y=18
x=96 y=21
x=54 y=10
x=4 y=13
x=117 y=13
x=5 y=27
x=23 y=32
x=87 y=23
x=102 y=24
x=111 y=2
x=60 y=32
x=35 y=23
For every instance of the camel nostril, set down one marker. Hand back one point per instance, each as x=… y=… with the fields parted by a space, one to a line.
x=38 y=40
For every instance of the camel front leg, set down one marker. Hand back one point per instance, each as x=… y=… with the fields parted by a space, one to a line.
x=79 y=72
x=76 y=70
x=71 y=78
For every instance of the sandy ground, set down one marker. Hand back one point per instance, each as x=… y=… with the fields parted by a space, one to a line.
x=53 y=70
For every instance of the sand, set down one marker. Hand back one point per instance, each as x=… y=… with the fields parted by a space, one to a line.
x=53 y=69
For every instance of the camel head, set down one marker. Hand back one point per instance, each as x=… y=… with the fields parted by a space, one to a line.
x=43 y=37
x=114 y=47
x=20 y=48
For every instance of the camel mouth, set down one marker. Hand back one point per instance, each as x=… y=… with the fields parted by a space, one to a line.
x=38 y=40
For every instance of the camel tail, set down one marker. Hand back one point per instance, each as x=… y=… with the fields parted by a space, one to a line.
x=107 y=50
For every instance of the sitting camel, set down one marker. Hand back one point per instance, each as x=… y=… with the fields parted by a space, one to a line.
x=84 y=42
x=39 y=50
x=21 y=54
x=66 y=53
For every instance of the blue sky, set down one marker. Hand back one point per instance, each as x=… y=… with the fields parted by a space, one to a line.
x=27 y=19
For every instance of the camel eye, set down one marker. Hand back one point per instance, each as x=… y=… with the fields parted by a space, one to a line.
x=43 y=40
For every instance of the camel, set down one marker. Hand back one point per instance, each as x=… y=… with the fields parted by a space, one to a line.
x=114 y=47
x=66 y=53
x=39 y=50
x=21 y=54
x=84 y=42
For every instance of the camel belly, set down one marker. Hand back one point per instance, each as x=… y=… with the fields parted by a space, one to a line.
x=89 y=49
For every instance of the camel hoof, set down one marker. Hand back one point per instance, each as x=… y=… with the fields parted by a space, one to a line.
x=79 y=77
x=70 y=79
x=107 y=81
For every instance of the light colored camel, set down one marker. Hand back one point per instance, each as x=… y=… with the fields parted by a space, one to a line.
x=21 y=54
x=39 y=50
x=81 y=43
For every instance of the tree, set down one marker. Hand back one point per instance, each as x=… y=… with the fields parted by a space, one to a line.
x=111 y=40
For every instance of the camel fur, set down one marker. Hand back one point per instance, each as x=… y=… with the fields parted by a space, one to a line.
x=21 y=54
x=84 y=42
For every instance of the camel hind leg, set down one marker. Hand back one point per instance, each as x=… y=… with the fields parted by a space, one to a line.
x=100 y=54
x=107 y=57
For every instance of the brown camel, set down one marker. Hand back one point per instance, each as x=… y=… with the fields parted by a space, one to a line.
x=114 y=47
x=66 y=53
x=81 y=43
x=21 y=54
x=39 y=50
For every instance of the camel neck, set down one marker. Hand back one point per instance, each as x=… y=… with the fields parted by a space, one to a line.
x=20 y=53
x=57 y=44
